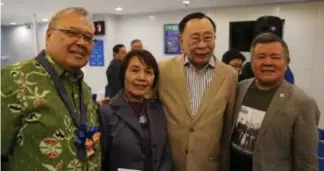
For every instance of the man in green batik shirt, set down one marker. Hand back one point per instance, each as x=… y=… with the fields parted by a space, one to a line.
x=37 y=131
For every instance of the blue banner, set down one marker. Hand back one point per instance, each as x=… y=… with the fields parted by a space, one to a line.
x=97 y=56
x=171 y=39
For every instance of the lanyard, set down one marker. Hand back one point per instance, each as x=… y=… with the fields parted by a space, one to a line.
x=82 y=125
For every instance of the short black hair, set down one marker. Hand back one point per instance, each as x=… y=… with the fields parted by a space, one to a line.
x=144 y=56
x=117 y=47
x=232 y=54
x=247 y=71
x=269 y=37
x=135 y=40
x=196 y=15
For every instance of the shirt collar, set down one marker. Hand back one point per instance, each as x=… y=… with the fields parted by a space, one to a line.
x=61 y=72
x=211 y=62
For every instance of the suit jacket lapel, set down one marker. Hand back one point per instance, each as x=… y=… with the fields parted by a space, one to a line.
x=212 y=89
x=243 y=89
x=276 y=104
x=126 y=113
x=179 y=78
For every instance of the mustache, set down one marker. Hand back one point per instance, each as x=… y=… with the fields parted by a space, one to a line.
x=79 y=48
x=268 y=66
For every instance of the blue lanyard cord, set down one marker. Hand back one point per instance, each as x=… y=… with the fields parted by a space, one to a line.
x=63 y=95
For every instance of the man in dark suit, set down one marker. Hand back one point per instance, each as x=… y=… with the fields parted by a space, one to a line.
x=119 y=52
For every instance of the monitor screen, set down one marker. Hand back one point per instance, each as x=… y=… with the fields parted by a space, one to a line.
x=241 y=35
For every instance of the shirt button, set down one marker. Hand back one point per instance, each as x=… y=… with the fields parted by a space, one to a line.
x=192 y=130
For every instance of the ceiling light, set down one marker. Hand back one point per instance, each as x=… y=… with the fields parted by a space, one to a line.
x=12 y=23
x=119 y=9
x=152 y=17
x=2 y=4
x=45 y=19
x=185 y=2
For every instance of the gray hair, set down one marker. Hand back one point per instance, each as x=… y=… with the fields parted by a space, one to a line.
x=78 y=10
x=270 y=38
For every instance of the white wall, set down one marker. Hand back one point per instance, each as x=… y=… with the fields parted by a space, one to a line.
x=317 y=69
x=96 y=76
x=304 y=33
x=16 y=44
x=41 y=35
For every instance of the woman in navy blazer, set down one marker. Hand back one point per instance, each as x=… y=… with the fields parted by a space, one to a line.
x=133 y=128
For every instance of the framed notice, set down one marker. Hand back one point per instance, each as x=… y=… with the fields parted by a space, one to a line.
x=99 y=27
x=171 y=39
x=97 y=56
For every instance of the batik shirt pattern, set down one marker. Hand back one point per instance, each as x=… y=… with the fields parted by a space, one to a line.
x=46 y=135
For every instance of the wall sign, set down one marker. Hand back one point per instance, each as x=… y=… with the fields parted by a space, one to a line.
x=171 y=39
x=97 y=56
x=99 y=27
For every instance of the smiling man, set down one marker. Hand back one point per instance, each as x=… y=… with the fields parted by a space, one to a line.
x=276 y=122
x=198 y=92
x=46 y=107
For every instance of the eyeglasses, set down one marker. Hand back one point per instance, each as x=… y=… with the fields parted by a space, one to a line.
x=236 y=66
x=208 y=39
x=76 y=34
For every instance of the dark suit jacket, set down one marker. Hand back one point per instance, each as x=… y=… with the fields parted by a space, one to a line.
x=287 y=139
x=123 y=150
x=113 y=77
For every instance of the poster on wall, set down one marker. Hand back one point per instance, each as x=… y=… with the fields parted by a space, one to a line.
x=97 y=56
x=171 y=39
x=99 y=27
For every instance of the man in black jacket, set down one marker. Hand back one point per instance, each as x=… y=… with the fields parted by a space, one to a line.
x=119 y=52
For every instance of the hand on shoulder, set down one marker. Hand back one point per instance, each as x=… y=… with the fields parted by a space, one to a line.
x=103 y=101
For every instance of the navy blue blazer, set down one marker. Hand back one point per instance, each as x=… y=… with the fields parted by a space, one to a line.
x=120 y=146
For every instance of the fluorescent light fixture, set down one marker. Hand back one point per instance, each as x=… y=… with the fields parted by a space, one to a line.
x=45 y=19
x=185 y=2
x=2 y=4
x=119 y=9
x=12 y=23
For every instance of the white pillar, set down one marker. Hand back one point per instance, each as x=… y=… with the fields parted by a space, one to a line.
x=35 y=36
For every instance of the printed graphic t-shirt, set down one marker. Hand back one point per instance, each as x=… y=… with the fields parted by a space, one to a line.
x=252 y=112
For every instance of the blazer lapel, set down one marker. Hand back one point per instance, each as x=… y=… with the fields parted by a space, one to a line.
x=276 y=104
x=212 y=89
x=242 y=90
x=126 y=113
x=179 y=78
